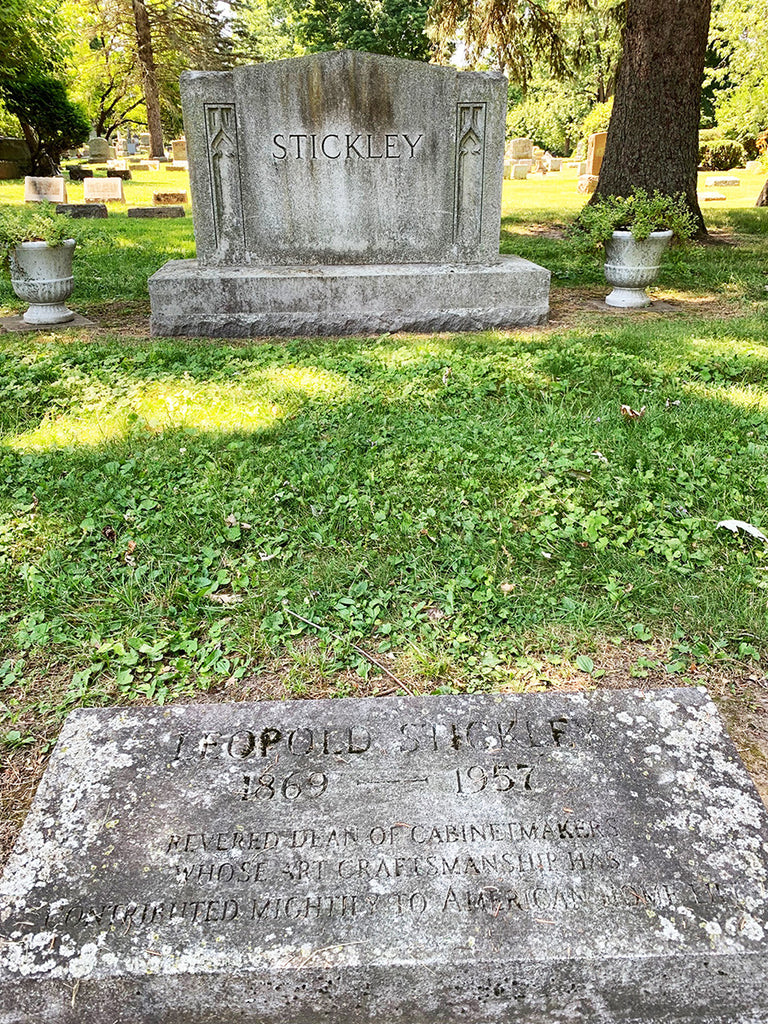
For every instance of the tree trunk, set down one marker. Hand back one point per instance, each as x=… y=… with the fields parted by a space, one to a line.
x=149 y=78
x=653 y=137
x=762 y=199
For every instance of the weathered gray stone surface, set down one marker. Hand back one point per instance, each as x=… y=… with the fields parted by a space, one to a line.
x=38 y=190
x=156 y=212
x=92 y=211
x=536 y=859
x=99 y=149
x=238 y=302
x=344 y=159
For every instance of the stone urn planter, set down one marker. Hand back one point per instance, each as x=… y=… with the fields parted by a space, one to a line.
x=41 y=274
x=631 y=265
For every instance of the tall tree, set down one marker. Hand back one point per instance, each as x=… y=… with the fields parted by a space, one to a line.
x=395 y=27
x=128 y=55
x=653 y=137
x=513 y=34
x=146 y=56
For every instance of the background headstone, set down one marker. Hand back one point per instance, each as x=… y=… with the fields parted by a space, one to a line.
x=166 y=198
x=520 y=149
x=99 y=150
x=103 y=190
x=722 y=181
x=15 y=158
x=587 y=184
x=39 y=189
x=91 y=211
x=595 y=153
x=179 y=150
x=119 y=172
x=79 y=173
x=156 y=212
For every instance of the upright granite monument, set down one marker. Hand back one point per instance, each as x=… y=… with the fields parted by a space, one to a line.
x=481 y=859
x=345 y=192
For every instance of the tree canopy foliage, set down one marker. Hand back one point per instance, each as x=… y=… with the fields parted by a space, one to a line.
x=50 y=121
x=739 y=38
x=33 y=52
x=270 y=29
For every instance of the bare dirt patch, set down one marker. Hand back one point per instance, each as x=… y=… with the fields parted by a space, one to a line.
x=741 y=693
x=122 y=317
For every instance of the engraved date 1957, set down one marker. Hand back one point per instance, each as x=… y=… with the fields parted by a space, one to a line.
x=499 y=777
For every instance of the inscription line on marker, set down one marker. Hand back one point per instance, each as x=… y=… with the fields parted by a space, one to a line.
x=387 y=782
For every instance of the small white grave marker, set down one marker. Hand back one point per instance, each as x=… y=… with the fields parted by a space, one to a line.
x=103 y=190
x=37 y=190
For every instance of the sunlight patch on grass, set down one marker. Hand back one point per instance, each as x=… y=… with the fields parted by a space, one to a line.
x=185 y=404
x=748 y=399
x=306 y=381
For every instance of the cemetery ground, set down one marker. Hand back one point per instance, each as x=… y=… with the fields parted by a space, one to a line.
x=196 y=519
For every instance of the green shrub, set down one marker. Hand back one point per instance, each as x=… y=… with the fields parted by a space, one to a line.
x=551 y=119
x=721 y=155
x=597 y=120
x=36 y=223
x=639 y=213
x=41 y=103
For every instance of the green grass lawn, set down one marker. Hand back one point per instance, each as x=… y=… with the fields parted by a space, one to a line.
x=473 y=511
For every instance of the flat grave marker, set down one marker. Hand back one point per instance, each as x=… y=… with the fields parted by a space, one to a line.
x=91 y=211
x=156 y=212
x=168 y=198
x=38 y=190
x=483 y=858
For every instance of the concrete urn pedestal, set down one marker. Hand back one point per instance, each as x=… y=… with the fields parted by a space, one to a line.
x=631 y=265
x=41 y=274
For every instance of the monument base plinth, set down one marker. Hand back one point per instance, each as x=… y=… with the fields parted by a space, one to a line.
x=248 y=301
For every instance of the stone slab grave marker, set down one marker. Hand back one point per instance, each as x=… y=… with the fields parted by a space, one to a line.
x=99 y=149
x=91 y=211
x=38 y=190
x=345 y=192
x=103 y=190
x=519 y=149
x=722 y=181
x=156 y=212
x=573 y=858
x=595 y=153
x=166 y=198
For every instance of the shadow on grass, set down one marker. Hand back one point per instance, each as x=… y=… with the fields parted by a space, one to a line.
x=462 y=492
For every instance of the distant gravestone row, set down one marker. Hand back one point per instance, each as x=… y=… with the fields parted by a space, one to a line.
x=522 y=158
x=97 y=192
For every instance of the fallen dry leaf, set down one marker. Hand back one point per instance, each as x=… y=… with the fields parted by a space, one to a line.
x=631 y=414
x=226 y=599
x=734 y=525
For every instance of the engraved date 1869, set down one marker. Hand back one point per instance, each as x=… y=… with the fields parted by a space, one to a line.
x=293 y=786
